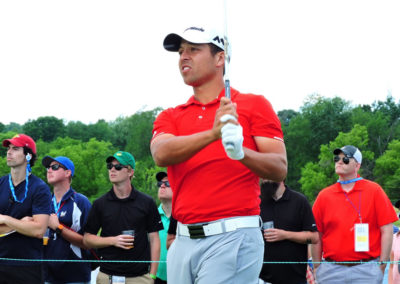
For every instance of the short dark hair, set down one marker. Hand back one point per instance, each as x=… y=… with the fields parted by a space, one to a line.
x=34 y=157
x=214 y=49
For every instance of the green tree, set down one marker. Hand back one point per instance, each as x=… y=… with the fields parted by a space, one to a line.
x=387 y=170
x=47 y=128
x=91 y=175
x=77 y=130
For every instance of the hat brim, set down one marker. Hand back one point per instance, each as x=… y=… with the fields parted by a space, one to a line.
x=161 y=175
x=47 y=160
x=172 y=42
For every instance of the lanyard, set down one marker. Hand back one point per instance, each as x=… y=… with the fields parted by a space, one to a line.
x=57 y=206
x=359 y=205
x=13 y=189
x=349 y=181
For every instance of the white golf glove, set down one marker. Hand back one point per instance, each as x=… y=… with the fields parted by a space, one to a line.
x=232 y=138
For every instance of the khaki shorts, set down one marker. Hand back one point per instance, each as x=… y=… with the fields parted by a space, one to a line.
x=103 y=278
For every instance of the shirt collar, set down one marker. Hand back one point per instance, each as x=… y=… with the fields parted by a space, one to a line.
x=193 y=101
x=111 y=195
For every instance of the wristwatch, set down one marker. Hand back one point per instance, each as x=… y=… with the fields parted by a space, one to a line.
x=59 y=229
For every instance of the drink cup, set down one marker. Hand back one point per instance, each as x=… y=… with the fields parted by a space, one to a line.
x=46 y=237
x=130 y=233
x=268 y=225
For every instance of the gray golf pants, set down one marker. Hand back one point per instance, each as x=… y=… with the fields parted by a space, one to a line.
x=229 y=258
x=330 y=273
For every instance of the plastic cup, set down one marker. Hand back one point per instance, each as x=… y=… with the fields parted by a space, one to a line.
x=46 y=237
x=130 y=233
x=268 y=225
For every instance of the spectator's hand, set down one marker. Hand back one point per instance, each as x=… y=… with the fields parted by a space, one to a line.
x=274 y=235
x=232 y=138
x=53 y=222
x=124 y=241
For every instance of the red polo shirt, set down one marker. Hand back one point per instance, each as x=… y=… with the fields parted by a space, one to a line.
x=335 y=216
x=209 y=185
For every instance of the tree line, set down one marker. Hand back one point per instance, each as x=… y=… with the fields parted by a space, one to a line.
x=321 y=125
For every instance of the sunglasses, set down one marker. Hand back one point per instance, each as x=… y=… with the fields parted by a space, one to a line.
x=345 y=159
x=56 y=167
x=159 y=183
x=118 y=167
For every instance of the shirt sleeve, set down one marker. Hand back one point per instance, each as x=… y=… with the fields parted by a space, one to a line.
x=41 y=203
x=172 y=226
x=93 y=222
x=154 y=223
x=308 y=217
x=265 y=122
x=164 y=123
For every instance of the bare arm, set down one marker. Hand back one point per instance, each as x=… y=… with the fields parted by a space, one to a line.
x=69 y=235
x=170 y=240
x=270 y=160
x=390 y=276
x=316 y=251
x=121 y=241
x=168 y=149
x=34 y=226
x=386 y=243
x=304 y=237
x=154 y=251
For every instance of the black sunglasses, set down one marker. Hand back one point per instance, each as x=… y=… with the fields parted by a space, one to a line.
x=159 y=183
x=56 y=167
x=345 y=159
x=118 y=167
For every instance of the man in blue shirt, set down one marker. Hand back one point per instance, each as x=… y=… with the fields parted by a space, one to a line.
x=69 y=213
x=24 y=213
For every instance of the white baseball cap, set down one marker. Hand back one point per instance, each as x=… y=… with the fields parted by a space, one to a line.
x=193 y=34
x=349 y=151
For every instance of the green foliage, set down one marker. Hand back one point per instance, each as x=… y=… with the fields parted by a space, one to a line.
x=145 y=177
x=46 y=128
x=387 y=170
x=91 y=175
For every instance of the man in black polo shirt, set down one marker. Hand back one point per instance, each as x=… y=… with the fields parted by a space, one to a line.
x=293 y=229
x=124 y=208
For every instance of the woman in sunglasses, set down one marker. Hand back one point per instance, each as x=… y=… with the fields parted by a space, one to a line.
x=120 y=210
x=354 y=218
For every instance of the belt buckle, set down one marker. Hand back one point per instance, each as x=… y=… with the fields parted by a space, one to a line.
x=196 y=231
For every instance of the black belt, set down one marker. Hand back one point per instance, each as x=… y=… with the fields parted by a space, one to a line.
x=350 y=262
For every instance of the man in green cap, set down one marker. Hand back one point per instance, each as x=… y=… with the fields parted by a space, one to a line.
x=129 y=223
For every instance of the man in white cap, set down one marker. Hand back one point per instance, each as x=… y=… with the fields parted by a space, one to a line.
x=354 y=219
x=215 y=181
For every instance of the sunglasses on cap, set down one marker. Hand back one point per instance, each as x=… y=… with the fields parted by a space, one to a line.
x=159 y=183
x=345 y=159
x=56 y=167
x=118 y=167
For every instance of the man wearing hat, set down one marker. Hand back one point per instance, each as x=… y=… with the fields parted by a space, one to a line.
x=216 y=148
x=165 y=208
x=24 y=213
x=69 y=213
x=354 y=218
x=129 y=224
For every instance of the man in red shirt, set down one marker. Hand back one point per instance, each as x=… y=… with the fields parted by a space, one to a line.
x=216 y=181
x=354 y=218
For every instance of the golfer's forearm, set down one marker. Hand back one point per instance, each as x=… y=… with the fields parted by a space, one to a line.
x=170 y=150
